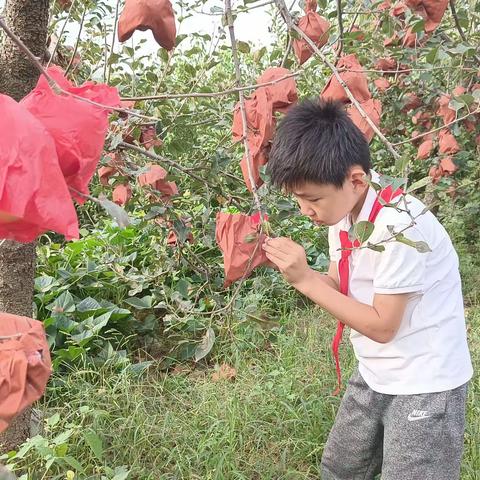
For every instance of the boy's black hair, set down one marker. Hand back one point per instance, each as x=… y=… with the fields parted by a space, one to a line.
x=316 y=142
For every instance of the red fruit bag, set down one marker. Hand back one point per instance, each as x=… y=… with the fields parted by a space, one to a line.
x=155 y=177
x=315 y=28
x=282 y=94
x=241 y=244
x=354 y=78
x=155 y=15
x=25 y=365
x=78 y=128
x=373 y=109
x=34 y=197
x=122 y=194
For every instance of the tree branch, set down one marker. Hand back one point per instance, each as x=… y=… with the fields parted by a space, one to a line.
x=77 y=42
x=159 y=158
x=228 y=14
x=61 y=33
x=340 y=28
x=291 y=25
x=287 y=52
x=113 y=40
x=457 y=22
x=165 y=96
x=459 y=27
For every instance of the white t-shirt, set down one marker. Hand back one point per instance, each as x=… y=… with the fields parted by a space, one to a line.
x=429 y=353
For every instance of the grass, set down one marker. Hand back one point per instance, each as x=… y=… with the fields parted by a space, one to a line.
x=271 y=422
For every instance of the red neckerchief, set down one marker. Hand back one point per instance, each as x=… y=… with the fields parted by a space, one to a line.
x=344 y=270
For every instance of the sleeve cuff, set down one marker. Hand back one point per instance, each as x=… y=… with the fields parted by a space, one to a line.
x=398 y=290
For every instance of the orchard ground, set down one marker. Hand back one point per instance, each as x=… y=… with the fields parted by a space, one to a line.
x=270 y=422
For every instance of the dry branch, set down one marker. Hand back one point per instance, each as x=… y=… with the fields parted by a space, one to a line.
x=228 y=14
x=165 y=96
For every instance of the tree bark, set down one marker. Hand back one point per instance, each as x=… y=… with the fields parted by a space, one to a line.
x=29 y=20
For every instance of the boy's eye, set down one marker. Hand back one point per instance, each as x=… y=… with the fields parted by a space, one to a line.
x=315 y=199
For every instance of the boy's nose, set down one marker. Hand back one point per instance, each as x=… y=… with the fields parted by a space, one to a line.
x=307 y=210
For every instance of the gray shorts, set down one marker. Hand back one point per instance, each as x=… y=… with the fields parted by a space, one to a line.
x=403 y=437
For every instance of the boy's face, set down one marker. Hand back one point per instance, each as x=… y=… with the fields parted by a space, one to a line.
x=325 y=204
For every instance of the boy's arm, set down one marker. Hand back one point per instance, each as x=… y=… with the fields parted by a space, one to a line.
x=378 y=322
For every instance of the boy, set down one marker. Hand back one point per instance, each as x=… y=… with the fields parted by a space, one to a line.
x=403 y=412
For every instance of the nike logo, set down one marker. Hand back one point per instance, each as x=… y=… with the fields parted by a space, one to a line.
x=418 y=415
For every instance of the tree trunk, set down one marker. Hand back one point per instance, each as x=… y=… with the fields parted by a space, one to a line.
x=29 y=20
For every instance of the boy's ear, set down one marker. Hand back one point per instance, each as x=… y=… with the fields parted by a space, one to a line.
x=357 y=176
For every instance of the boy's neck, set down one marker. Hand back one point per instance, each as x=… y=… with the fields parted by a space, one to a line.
x=358 y=207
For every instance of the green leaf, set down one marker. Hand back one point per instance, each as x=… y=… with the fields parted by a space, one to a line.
x=432 y=55
x=203 y=349
x=401 y=164
x=182 y=287
x=243 y=47
x=257 y=56
x=115 y=211
x=62 y=437
x=216 y=9
x=74 y=463
x=88 y=304
x=45 y=283
x=140 y=303
x=49 y=463
x=61 y=450
x=361 y=231
x=62 y=304
x=466 y=98
x=94 y=442
x=420 y=184
x=455 y=104
x=376 y=248
x=395 y=183
x=53 y=420
x=121 y=473
x=400 y=237
x=422 y=247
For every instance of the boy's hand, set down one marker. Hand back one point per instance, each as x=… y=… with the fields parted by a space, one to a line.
x=289 y=257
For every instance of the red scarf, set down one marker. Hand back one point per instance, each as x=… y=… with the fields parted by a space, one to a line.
x=344 y=270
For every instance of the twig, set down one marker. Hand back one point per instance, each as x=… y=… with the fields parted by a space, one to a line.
x=459 y=27
x=114 y=34
x=85 y=195
x=437 y=129
x=61 y=33
x=239 y=10
x=287 y=52
x=407 y=70
x=165 y=96
x=340 y=28
x=457 y=23
x=352 y=24
x=228 y=14
x=159 y=158
x=291 y=25
x=77 y=42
